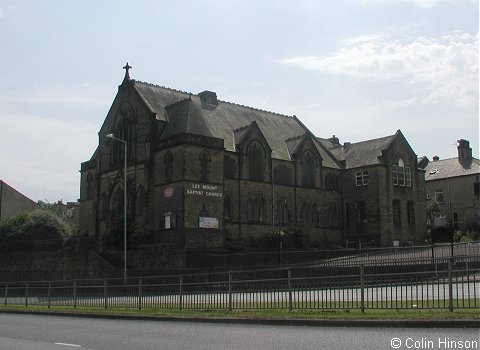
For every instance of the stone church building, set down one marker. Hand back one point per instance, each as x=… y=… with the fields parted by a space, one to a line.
x=207 y=174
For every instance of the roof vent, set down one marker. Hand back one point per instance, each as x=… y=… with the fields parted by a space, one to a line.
x=434 y=171
x=208 y=98
x=435 y=158
x=346 y=144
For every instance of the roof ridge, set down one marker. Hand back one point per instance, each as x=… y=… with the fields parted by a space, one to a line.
x=256 y=109
x=370 y=140
x=161 y=86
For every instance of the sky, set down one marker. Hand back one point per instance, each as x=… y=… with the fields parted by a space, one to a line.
x=357 y=69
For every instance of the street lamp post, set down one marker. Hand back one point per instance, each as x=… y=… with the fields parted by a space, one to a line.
x=111 y=136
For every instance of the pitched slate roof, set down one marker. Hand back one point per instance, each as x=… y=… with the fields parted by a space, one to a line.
x=186 y=114
x=445 y=168
x=360 y=153
x=157 y=97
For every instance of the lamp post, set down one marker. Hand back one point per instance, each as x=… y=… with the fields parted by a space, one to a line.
x=111 y=136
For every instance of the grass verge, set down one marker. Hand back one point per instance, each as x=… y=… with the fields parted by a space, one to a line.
x=347 y=314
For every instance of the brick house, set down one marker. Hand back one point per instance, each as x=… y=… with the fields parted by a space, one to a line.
x=208 y=174
x=453 y=189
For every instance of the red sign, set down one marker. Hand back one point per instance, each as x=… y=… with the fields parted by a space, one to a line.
x=168 y=192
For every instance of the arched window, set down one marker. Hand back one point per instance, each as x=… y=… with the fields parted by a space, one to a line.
x=308 y=169
x=140 y=201
x=204 y=166
x=282 y=212
x=168 y=161
x=256 y=209
x=256 y=158
x=89 y=183
x=116 y=206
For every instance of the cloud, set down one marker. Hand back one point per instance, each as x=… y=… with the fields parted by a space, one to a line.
x=2 y=13
x=443 y=68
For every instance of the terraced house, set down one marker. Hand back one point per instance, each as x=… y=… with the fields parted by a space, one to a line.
x=208 y=174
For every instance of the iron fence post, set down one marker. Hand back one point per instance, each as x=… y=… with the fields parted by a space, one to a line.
x=49 y=293
x=105 y=293
x=140 y=283
x=362 y=289
x=6 y=293
x=290 y=289
x=230 y=291
x=74 y=294
x=180 y=293
x=26 y=294
x=450 y=285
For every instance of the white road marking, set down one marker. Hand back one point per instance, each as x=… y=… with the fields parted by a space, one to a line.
x=66 y=344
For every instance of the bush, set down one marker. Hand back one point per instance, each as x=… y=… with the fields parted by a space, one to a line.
x=44 y=224
x=39 y=224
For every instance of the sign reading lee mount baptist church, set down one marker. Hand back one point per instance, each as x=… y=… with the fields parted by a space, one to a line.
x=204 y=190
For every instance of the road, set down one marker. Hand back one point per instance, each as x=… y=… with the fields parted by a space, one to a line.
x=52 y=332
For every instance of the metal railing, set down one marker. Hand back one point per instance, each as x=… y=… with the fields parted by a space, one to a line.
x=439 y=283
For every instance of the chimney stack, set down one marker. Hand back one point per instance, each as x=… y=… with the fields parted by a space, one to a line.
x=464 y=152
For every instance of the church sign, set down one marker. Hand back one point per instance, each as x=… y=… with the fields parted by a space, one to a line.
x=203 y=190
x=205 y=222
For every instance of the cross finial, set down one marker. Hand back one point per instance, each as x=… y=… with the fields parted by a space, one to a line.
x=127 y=68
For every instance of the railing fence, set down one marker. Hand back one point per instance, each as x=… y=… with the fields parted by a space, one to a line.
x=439 y=283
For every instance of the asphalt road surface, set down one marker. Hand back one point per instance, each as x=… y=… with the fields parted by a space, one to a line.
x=52 y=332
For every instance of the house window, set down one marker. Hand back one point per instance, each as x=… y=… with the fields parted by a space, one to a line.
x=411 y=212
x=204 y=165
x=439 y=196
x=256 y=159
x=256 y=209
x=396 y=212
x=361 y=213
x=282 y=213
x=361 y=178
x=308 y=169
x=168 y=161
